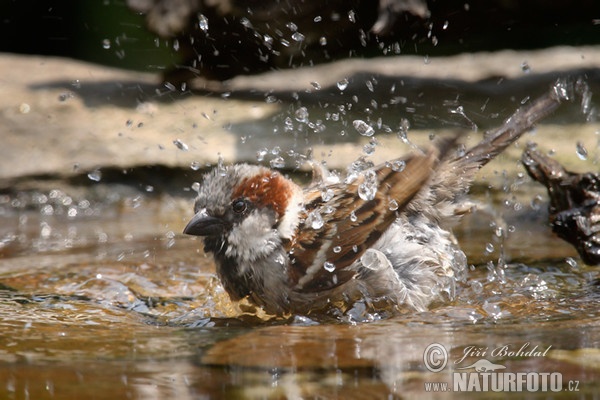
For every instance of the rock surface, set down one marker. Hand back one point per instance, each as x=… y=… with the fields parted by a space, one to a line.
x=61 y=117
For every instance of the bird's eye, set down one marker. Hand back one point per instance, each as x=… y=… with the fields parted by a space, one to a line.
x=239 y=206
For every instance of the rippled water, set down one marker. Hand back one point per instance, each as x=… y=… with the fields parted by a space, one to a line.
x=102 y=297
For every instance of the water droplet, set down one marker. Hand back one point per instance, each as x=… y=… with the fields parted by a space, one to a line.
x=353 y=218
x=363 y=128
x=351 y=16
x=318 y=18
x=260 y=154
x=176 y=45
x=298 y=37
x=315 y=220
x=202 y=22
x=572 y=262
x=106 y=44
x=195 y=186
x=369 y=84
x=368 y=188
x=329 y=266
x=180 y=145
x=301 y=114
x=327 y=194
x=316 y=85
x=323 y=41
x=369 y=148
x=337 y=249
x=246 y=22
x=393 y=205
x=195 y=165
x=95 y=175
x=277 y=162
x=489 y=248
x=581 y=151
x=398 y=165
x=343 y=84
x=525 y=67
x=445 y=26
x=536 y=202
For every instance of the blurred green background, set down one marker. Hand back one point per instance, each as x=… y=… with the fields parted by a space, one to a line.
x=100 y=31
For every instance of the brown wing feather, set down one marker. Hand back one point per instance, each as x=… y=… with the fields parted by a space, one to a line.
x=354 y=225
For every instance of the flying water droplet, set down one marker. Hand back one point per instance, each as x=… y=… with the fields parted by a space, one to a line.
x=106 y=44
x=301 y=114
x=363 y=128
x=525 y=67
x=315 y=220
x=316 y=85
x=329 y=266
x=323 y=41
x=298 y=37
x=195 y=165
x=398 y=165
x=337 y=249
x=202 y=22
x=95 y=175
x=368 y=188
x=277 y=162
x=353 y=218
x=572 y=263
x=581 y=151
x=352 y=16
x=260 y=154
x=327 y=194
x=180 y=145
x=343 y=84
x=393 y=205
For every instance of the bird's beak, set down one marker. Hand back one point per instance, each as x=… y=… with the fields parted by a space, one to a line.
x=203 y=224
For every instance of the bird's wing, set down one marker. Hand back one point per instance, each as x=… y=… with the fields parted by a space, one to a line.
x=337 y=232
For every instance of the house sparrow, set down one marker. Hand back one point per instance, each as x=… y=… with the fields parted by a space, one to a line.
x=380 y=240
x=574 y=203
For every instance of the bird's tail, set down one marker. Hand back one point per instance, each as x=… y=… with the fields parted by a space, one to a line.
x=520 y=122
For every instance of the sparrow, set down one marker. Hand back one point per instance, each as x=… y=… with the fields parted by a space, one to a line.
x=574 y=208
x=380 y=240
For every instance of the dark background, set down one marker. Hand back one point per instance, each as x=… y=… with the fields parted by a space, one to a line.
x=79 y=28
